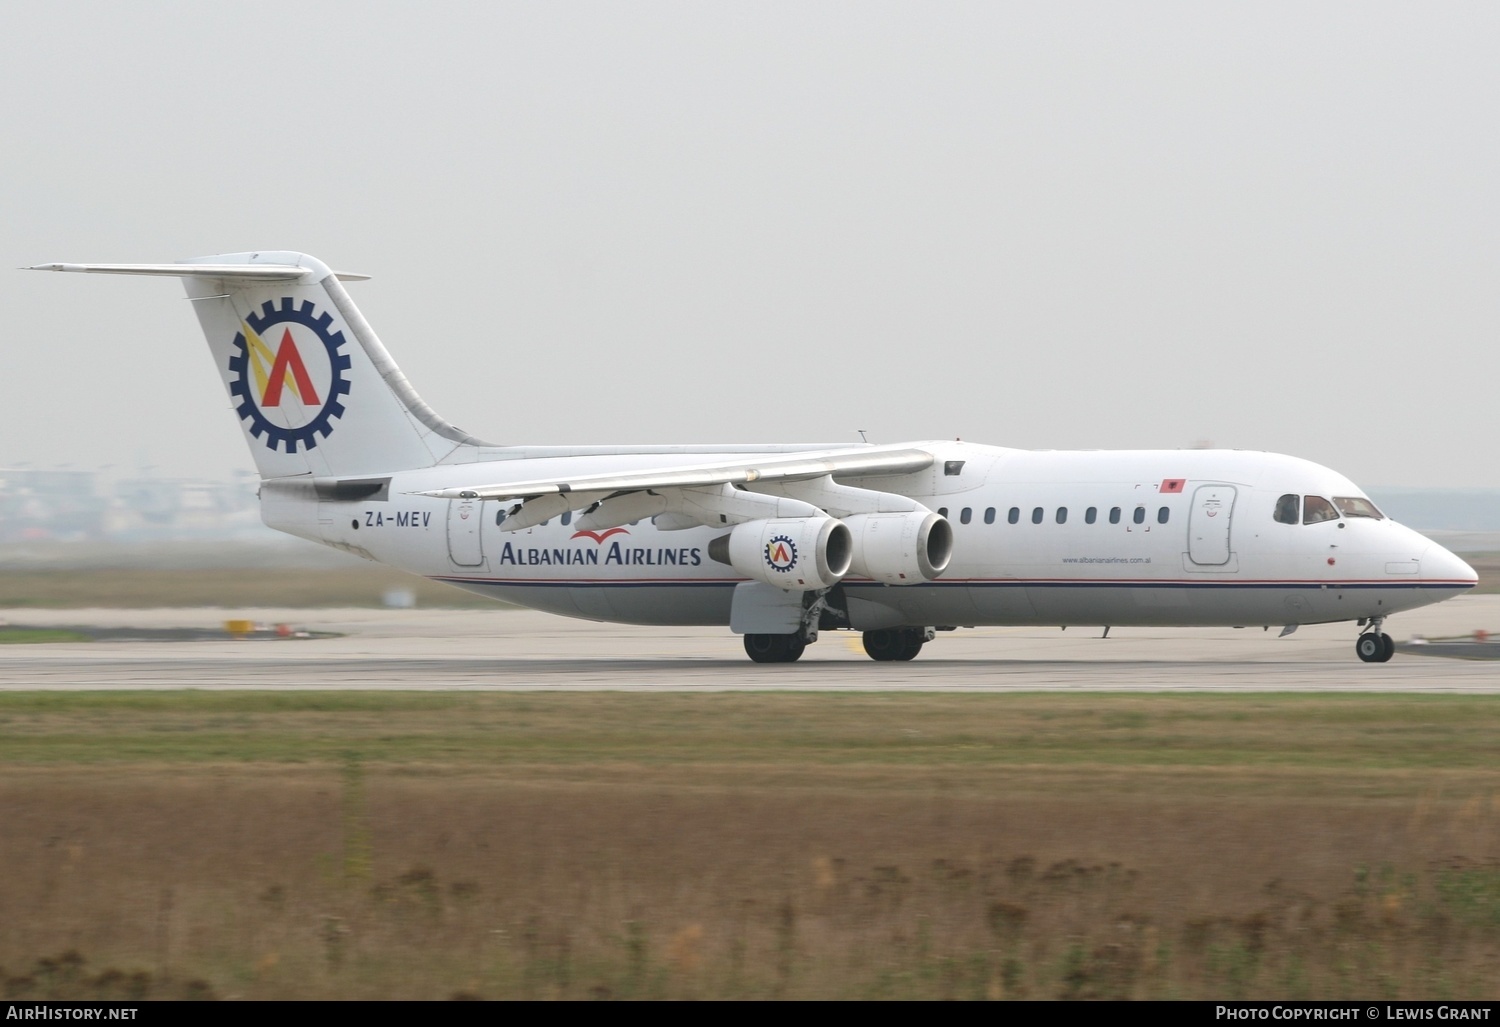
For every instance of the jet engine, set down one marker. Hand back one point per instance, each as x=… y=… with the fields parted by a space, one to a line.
x=900 y=548
x=797 y=554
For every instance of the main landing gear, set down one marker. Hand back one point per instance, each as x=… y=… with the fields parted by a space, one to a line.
x=885 y=645
x=1374 y=646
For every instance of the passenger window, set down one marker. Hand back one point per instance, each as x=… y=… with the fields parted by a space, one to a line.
x=1162 y=515
x=567 y=517
x=499 y=518
x=1316 y=509
x=1062 y=515
x=1091 y=515
x=953 y=467
x=1014 y=516
x=1036 y=515
x=1140 y=515
x=942 y=511
x=965 y=516
x=1114 y=515
x=989 y=515
x=1356 y=506
x=1288 y=509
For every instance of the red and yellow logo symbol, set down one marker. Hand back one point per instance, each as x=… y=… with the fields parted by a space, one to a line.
x=279 y=371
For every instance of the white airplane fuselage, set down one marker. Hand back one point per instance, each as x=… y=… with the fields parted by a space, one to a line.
x=1053 y=537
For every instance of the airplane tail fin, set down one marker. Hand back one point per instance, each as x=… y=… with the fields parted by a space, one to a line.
x=314 y=389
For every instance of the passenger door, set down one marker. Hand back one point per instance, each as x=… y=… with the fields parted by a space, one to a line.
x=1208 y=525
x=464 y=545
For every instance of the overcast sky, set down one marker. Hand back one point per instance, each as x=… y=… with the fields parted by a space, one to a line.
x=1035 y=225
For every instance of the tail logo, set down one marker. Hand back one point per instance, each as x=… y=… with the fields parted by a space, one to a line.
x=290 y=376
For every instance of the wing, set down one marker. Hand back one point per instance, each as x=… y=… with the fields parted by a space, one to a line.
x=865 y=461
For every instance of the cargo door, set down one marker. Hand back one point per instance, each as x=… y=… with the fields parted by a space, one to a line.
x=1208 y=525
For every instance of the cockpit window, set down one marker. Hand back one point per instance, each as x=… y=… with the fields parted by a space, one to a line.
x=1316 y=508
x=1357 y=506
x=1289 y=509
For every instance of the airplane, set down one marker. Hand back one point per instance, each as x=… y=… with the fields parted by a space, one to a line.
x=780 y=542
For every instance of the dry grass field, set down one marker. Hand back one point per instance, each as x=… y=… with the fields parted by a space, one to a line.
x=274 y=845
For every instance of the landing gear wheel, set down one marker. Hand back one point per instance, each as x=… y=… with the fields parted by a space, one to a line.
x=884 y=645
x=774 y=648
x=1374 y=648
x=890 y=644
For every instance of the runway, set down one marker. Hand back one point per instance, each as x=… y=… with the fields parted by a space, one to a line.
x=513 y=650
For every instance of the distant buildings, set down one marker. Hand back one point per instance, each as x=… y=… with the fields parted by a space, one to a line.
x=67 y=505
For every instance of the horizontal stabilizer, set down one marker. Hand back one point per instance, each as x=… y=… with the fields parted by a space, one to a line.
x=862 y=461
x=257 y=272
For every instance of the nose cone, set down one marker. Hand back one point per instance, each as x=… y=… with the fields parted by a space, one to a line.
x=1441 y=567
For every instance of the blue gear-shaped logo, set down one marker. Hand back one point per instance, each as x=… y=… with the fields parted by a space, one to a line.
x=239 y=362
x=771 y=553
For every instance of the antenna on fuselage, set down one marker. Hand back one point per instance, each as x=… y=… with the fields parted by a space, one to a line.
x=862 y=436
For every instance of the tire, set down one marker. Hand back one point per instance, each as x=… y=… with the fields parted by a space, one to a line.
x=1369 y=648
x=774 y=648
x=1389 y=644
x=763 y=648
x=891 y=644
x=885 y=645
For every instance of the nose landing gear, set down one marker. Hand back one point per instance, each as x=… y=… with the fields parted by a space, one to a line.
x=1374 y=646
